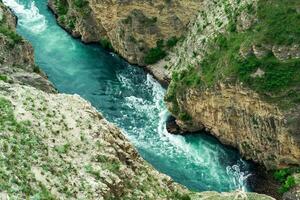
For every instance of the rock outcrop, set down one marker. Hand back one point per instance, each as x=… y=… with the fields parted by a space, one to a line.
x=240 y=87
x=16 y=56
x=132 y=27
x=69 y=151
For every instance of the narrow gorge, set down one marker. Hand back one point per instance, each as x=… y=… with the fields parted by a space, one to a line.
x=79 y=122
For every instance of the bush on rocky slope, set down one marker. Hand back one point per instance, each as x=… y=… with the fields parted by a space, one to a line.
x=255 y=56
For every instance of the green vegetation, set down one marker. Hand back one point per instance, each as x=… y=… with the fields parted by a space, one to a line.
x=279 y=21
x=80 y=3
x=172 y=42
x=62 y=149
x=71 y=22
x=36 y=69
x=276 y=24
x=15 y=38
x=106 y=44
x=284 y=176
x=18 y=152
x=156 y=54
x=3 y=78
x=179 y=196
x=160 y=51
x=62 y=7
x=8 y=32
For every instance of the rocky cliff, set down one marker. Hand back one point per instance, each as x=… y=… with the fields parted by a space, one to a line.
x=132 y=27
x=236 y=75
x=67 y=150
x=16 y=56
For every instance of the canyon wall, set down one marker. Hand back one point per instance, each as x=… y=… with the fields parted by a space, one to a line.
x=225 y=79
x=16 y=56
x=132 y=28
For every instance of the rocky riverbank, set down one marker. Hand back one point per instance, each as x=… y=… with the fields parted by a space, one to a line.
x=133 y=29
x=235 y=75
x=246 y=109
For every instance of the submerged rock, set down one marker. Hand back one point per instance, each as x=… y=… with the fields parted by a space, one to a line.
x=172 y=126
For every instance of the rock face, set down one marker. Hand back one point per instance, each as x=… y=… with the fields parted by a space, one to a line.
x=240 y=118
x=132 y=27
x=16 y=56
x=71 y=151
x=214 y=87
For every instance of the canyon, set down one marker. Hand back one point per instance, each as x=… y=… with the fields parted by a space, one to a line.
x=243 y=107
x=261 y=125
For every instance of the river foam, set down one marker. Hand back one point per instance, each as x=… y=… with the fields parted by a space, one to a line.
x=29 y=18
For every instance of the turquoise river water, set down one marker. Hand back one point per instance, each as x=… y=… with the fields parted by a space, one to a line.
x=129 y=98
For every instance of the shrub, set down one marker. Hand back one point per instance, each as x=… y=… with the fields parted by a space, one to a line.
x=106 y=44
x=184 y=116
x=11 y=34
x=62 y=7
x=288 y=184
x=36 y=69
x=80 y=3
x=3 y=78
x=154 y=55
x=172 y=41
x=281 y=175
x=284 y=176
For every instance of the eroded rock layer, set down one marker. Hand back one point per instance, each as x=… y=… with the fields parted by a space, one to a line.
x=16 y=55
x=132 y=27
x=235 y=77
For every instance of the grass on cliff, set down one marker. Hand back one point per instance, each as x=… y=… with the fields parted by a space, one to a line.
x=155 y=54
x=11 y=34
x=80 y=3
x=106 y=44
x=277 y=24
x=284 y=176
x=160 y=51
x=20 y=149
x=62 y=7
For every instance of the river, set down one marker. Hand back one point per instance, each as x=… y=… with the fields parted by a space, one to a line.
x=130 y=98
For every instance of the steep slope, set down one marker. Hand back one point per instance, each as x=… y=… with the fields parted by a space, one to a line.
x=132 y=28
x=237 y=75
x=59 y=146
x=16 y=56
